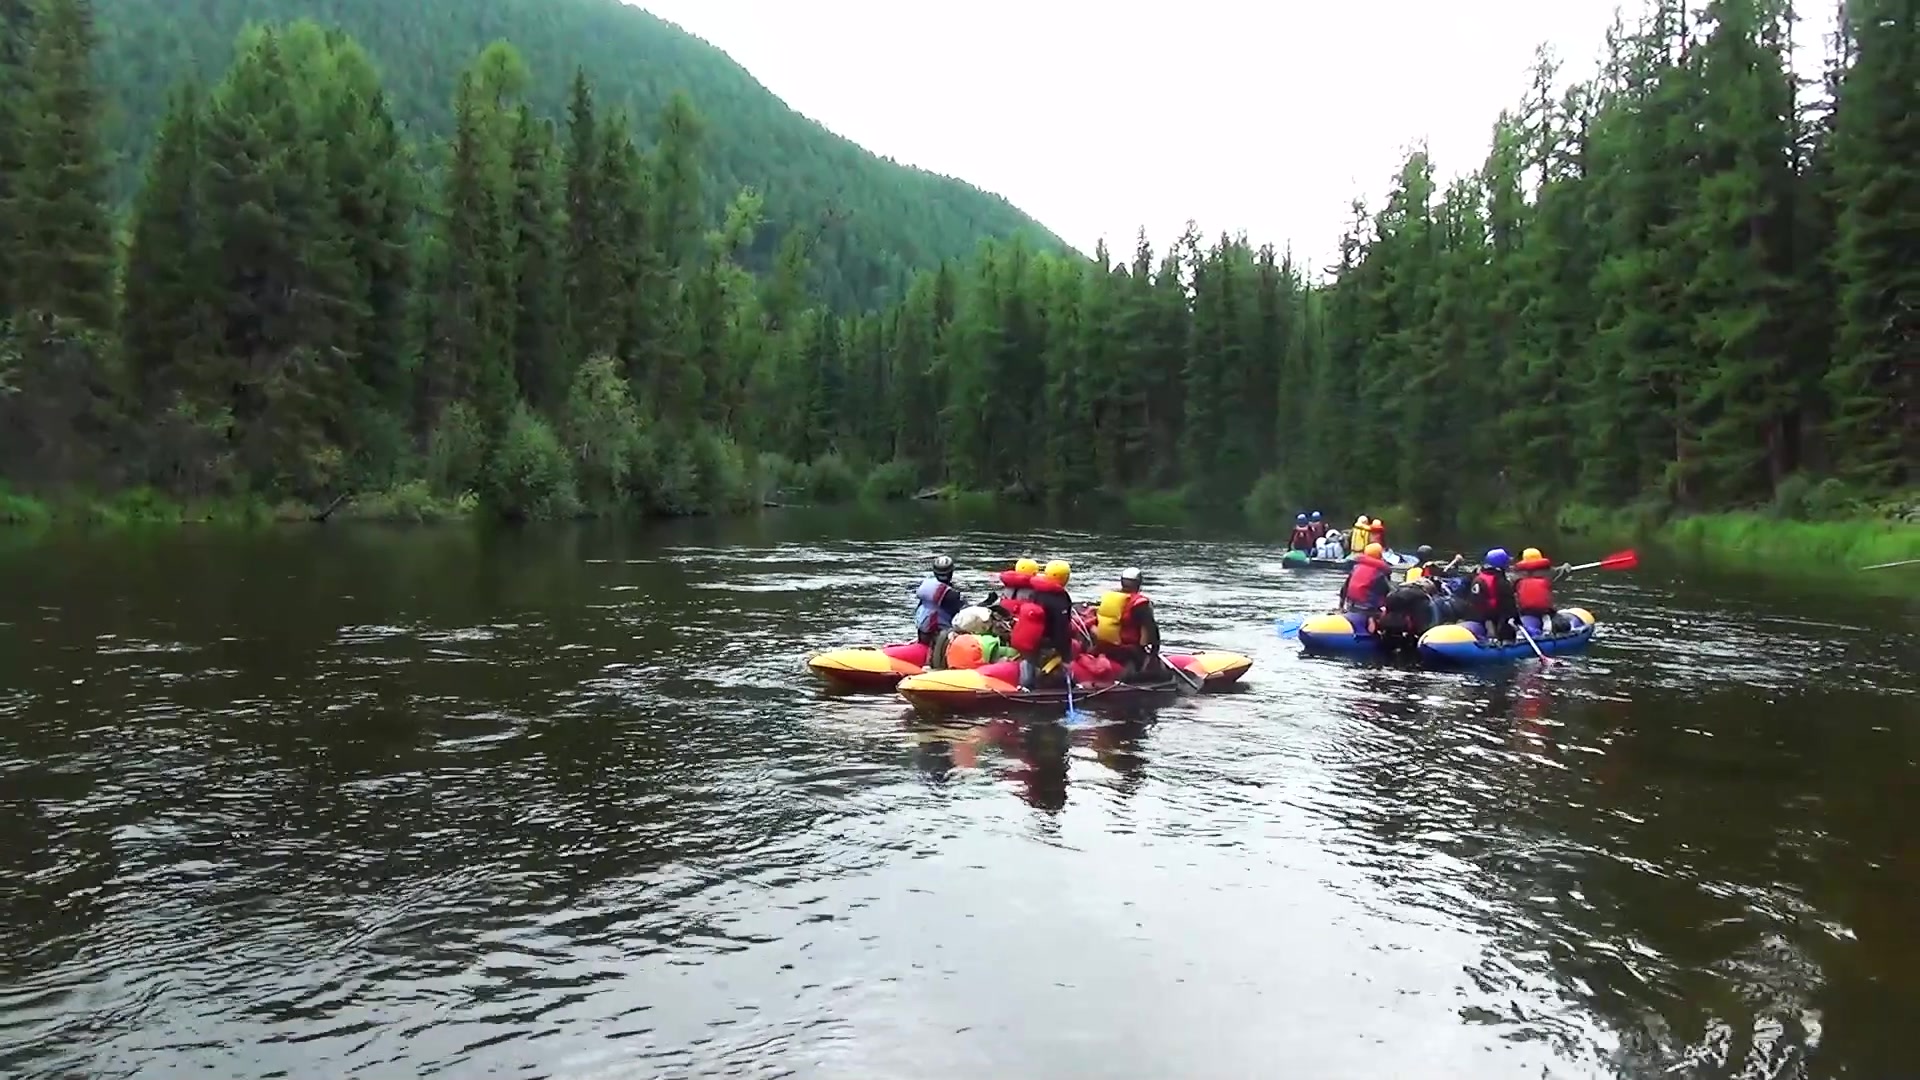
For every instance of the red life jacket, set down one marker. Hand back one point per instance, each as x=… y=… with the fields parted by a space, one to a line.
x=1302 y=538
x=1533 y=592
x=1482 y=599
x=1029 y=618
x=1367 y=586
x=1016 y=583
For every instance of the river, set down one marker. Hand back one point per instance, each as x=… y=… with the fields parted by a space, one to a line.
x=564 y=803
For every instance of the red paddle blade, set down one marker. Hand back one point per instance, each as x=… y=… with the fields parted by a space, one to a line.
x=1621 y=560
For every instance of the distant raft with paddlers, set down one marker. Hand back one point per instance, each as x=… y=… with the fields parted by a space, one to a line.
x=1300 y=560
x=883 y=668
x=997 y=686
x=1446 y=645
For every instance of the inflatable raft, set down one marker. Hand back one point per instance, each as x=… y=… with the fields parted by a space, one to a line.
x=997 y=686
x=1300 y=560
x=1453 y=645
x=1448 y=645
x=870 y=669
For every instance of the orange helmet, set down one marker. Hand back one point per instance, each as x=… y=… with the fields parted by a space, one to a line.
x=1375 y=550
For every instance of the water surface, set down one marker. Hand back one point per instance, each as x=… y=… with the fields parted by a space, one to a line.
x=564 y=803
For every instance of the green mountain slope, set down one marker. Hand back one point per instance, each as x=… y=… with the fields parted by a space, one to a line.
x=886 y=220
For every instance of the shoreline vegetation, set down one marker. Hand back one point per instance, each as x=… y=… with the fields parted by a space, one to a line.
x=1676 y=300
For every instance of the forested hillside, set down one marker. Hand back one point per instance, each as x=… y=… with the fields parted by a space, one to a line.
x=880 y=221
x=1669 y=287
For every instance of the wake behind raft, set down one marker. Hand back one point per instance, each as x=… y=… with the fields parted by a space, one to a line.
x=1446 y=645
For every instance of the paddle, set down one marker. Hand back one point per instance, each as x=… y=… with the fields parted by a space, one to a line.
x=1619 y=560
x=1884 y=565
x=1187 y=679
x=1522 y=627
x=1289 y=625
x=1073 y=715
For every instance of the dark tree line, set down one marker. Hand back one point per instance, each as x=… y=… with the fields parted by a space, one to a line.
x=1684 y=283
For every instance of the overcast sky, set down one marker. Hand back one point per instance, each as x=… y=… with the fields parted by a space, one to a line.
x=1262 y=116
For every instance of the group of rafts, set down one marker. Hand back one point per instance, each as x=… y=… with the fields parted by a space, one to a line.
x=947 y=672
x=1448 y=614
x=960 y=664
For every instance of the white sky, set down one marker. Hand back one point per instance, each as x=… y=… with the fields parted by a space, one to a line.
x=1262 y=116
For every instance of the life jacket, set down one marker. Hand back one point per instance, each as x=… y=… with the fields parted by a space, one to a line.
x=928 y=614
x=1360 y=538
x=1317 y=529
x=1030 y=625
x=1484 y=593
x=967 y=651
x=1113 y=624
x=1019 y=586
x=1367 y=585
x=1301 y=538
x=1533 y=587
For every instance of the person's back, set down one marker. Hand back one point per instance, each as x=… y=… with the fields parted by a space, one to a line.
x=1533 y=591
x=1489 y=597
x=1301 y=539
x=1367 y=583
x=936 y=601
x=1048 y=656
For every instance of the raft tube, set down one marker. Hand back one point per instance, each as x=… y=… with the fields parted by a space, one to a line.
x=1340 y=635
x=1300 y=560
x=997 y=686
x=870 y=669
x=1453 y=645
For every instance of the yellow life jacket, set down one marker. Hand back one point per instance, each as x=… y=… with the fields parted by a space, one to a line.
x=1361 y=537
x=1106 y=626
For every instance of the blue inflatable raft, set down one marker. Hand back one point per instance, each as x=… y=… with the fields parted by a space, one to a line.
x=1449 y=645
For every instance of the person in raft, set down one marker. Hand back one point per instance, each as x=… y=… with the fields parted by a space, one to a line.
x=1318 y=527
x=1366 y=586
x=1377 y=534
x=1533 y=578
x=1017 y=584
x=1301 y=538
x=1329 y=545
x=1409 y=609
x=1126 y=632
x=937 y=601
x=1489 y=600
x=1043 y=632
x=1362 y=534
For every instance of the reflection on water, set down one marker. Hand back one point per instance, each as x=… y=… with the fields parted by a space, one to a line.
x=412 y=802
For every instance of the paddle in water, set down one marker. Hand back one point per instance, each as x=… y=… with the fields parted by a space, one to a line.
x=1544 y=660
x=1073 y=714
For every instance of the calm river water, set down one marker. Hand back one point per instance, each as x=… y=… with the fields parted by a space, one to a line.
x=394 y=803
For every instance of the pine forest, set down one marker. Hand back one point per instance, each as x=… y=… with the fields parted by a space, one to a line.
x=1688 y=282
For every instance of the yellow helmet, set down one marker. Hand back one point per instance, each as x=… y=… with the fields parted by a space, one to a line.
x=1026 y=566
x=1414 y=575
x=1531 y=553
x=1059 y=571
x=1375 y=550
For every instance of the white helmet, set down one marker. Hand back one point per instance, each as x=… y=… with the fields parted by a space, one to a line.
x=973 y=620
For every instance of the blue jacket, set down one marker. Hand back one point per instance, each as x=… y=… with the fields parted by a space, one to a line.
x=938 y=604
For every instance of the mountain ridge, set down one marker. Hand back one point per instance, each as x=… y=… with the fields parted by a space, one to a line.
x=890 y=218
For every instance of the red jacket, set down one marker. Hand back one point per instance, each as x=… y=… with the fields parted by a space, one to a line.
x=1533 y=586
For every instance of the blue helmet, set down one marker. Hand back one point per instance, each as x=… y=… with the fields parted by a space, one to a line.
x=1498 y=558
x=1299 y=519
x=1316 y=515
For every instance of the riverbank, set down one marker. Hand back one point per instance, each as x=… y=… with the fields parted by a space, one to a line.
x=1761 y=540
